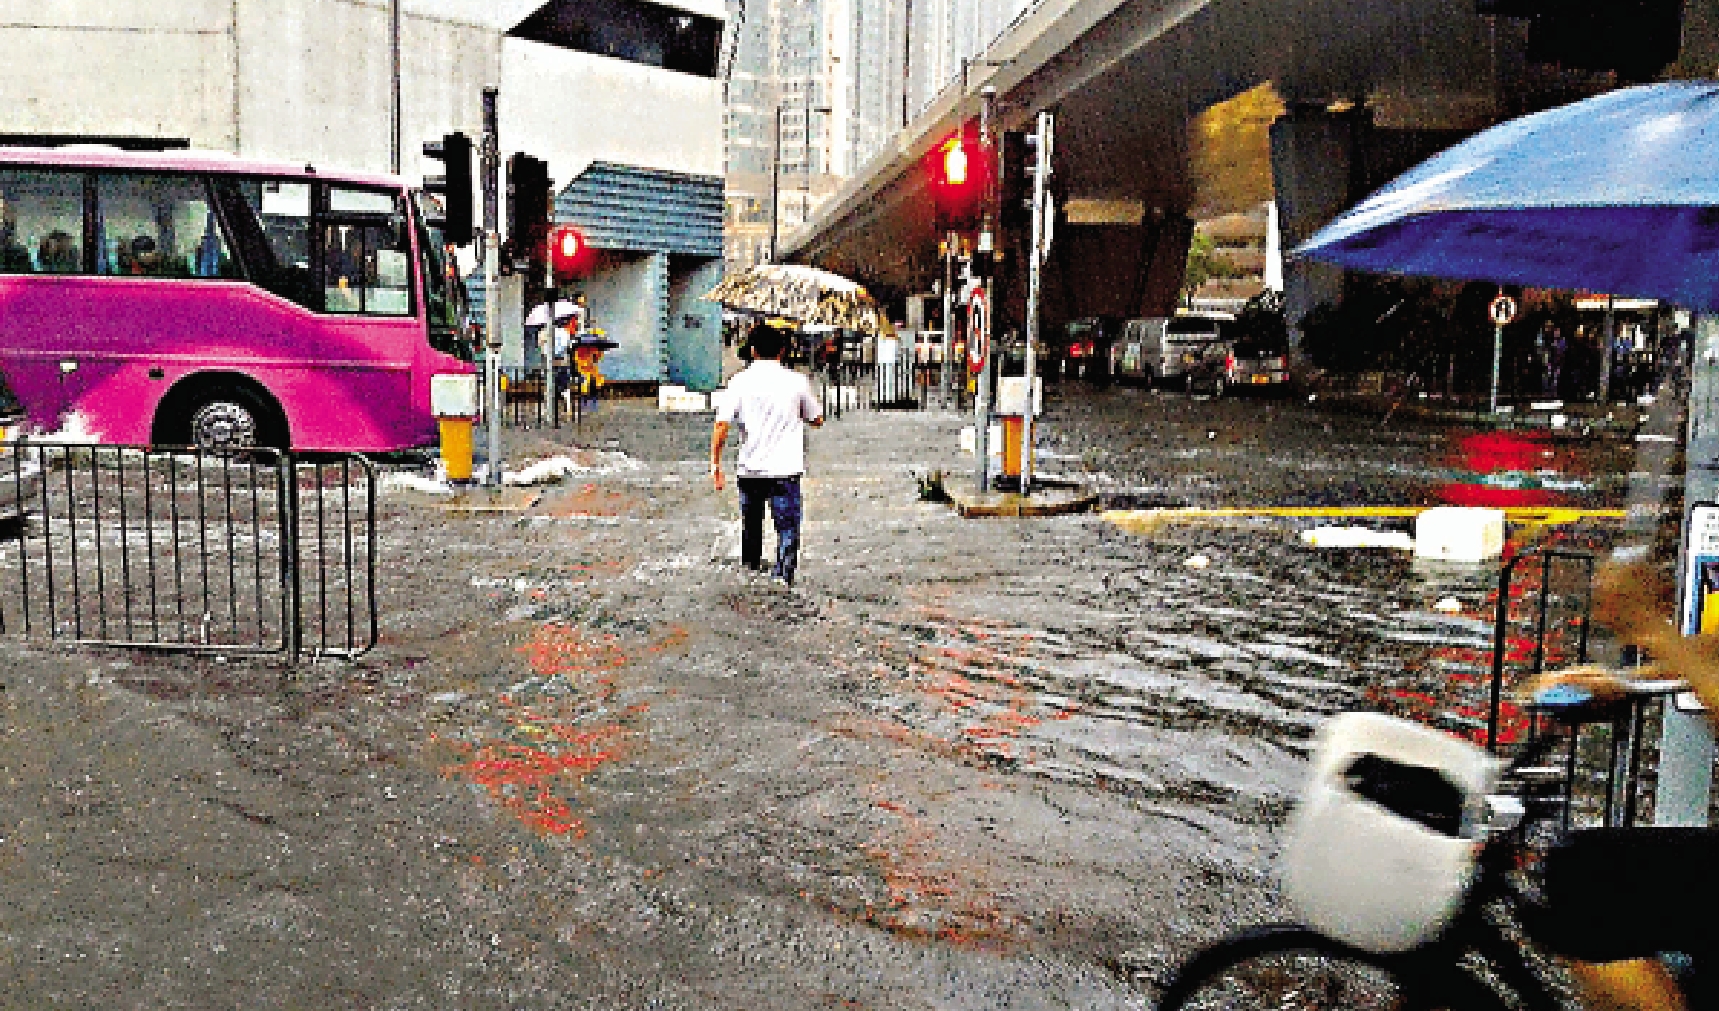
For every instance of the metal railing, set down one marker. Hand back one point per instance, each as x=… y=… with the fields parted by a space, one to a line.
x=1552 y=563
x=180 y=549
x=1604 y=766
x=522 y=401
x=871 y=386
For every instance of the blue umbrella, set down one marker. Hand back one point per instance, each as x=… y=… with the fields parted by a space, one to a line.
x=1618 y=193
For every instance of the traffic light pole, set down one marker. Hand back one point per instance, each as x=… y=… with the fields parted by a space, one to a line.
x=948 y=308
x=986 y=248
x=491 y=285
x=549 y=402
x=1035 y=254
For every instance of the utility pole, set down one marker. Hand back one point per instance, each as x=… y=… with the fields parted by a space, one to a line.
x=491 y=283
x=394 y=61
x=1035 y=255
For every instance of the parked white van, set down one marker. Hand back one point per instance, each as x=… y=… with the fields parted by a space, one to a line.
x=1152 y=350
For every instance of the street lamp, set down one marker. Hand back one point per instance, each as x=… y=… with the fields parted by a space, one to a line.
x=776 y=175
x=806 y=173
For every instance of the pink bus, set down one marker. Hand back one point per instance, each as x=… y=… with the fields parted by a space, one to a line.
x=179 y=298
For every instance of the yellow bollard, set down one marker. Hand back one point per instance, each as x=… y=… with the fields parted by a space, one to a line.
x=1012 y=444
x=457 y=447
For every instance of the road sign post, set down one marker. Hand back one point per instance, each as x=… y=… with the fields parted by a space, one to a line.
x=979 y=364
x=1502 y=310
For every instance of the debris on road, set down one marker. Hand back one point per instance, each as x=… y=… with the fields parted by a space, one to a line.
x=1357 y=537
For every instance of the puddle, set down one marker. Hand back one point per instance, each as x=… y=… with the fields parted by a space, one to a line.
x=1203 y=686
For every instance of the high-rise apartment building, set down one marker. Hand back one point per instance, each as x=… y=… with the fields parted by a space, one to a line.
x=817 y=87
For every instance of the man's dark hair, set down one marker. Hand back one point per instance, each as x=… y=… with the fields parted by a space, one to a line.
x=766 y=341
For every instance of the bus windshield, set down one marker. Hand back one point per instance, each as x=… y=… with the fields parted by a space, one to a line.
x=444 y=296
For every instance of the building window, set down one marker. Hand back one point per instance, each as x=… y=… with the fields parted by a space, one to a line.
x=632 y=30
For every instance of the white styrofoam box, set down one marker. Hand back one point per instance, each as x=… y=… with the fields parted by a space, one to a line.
x=969 y=440
x=666 y=393
x=1459 y=534
x=719 y=398
x=454 y=396
x=1360 y=873
x=683 y=402
x=1012 y=396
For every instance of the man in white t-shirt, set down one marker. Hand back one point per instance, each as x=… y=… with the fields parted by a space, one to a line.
x=773 y=405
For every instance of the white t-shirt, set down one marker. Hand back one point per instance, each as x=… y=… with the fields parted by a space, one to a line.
x=772 y=405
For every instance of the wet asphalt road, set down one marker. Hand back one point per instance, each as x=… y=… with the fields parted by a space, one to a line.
x=964 y=764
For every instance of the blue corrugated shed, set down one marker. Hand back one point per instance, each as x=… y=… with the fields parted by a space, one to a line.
x=624 y=207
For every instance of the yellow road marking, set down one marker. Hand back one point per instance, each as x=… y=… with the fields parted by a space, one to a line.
x=1523 y=515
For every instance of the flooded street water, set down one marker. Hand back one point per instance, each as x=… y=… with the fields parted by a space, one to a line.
x=963 y=764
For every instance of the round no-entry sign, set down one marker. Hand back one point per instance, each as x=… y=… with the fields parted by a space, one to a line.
x=1502 y=310
x=978 y=330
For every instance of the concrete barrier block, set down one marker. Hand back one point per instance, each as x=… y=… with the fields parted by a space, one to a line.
x=1460 y=534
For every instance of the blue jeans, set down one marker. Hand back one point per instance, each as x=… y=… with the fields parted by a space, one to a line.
x=782 y=494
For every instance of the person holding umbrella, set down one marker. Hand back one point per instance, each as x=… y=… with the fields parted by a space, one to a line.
x=773 y=405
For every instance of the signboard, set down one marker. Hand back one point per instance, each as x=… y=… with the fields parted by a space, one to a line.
x=1502 y=310
x=978 y=330
x=1701 y=572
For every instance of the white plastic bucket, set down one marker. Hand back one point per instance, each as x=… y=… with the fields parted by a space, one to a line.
x=1358 y=872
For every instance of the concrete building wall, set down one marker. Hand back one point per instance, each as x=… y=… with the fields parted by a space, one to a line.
x=314 y=81
x=92 y=66
x=574 y=108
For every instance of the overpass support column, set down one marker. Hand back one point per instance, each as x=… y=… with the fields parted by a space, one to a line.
x=1316 y=164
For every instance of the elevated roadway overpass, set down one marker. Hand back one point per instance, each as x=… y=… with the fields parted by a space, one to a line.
x=1368 y=88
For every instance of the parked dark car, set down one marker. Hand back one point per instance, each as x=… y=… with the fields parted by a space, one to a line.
x=1209 y=367
x=1260 y=364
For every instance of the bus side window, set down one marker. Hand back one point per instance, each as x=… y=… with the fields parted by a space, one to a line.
x=366 y=254
x=270 y=221
x=159 y=225
x=41 y=221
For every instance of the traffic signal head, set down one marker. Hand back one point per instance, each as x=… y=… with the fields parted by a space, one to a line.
x=1015 y=187
x=569 y=254
x=956 y=172
x=954 y=162
x=454 y=186
x=527 y=207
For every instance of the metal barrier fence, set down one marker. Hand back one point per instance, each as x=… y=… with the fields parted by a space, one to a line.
x=522 y=404
x=180 y=549
x=1603 y=770
x=870 y=386
x=1554 y=565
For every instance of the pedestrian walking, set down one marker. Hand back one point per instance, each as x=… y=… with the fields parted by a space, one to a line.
x=772 y=405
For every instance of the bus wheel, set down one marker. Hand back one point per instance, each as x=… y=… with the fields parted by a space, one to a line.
x=225 y=418
x=224 y=423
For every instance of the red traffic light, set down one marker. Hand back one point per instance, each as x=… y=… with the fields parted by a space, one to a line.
x=954 y=162
x=956 y=170
x=569 y=254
